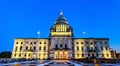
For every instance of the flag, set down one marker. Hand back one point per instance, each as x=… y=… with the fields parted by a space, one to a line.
x=84 y=33
x=38 y=32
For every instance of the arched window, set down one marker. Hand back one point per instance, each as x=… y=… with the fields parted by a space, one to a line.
x=16 y=42
x=56 y=46
x=16 y=49
x=44 y=48
x=34 y=48
x=107 y=55
x=44 y=42
x=82 y=48
x=21 y=48
x=77 y=48
x=26 y=48
x=82 y=55
x=39 y=48
x=77 y=42
x=35 y=42
x=61 y=45
x=65 y=46
x=81 y=42
x=40 y=42
x=21 y=42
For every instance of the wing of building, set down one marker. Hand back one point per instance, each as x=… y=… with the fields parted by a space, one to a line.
x=61 y=44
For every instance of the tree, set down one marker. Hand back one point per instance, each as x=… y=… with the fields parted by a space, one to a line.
x=6 y=54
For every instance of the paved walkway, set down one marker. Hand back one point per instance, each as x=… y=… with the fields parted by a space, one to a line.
x=54 y=63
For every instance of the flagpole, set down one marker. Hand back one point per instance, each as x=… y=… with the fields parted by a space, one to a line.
x=84 y=33
x=38 y=34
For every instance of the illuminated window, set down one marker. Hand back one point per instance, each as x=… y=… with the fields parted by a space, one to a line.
x=107 y=55
x=20 y=55
x=78 y=54
x=39 y=54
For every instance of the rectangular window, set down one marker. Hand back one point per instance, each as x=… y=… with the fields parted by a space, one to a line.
x=82 y=48
x=87 y=42
x=102 y=55
x=34 y=48
x=77 y=48
x=100 y=42
x=21 y=48
x=16 y=49
x=82 y=55
x=39 y=48
x=26 y=48
x=44 y=48
x=15 y=55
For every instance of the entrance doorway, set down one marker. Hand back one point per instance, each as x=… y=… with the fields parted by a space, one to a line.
x=61 y=55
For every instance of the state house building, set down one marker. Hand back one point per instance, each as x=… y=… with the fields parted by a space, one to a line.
x=61 y=44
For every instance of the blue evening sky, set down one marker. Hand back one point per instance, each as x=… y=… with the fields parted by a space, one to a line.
x=23 y=18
